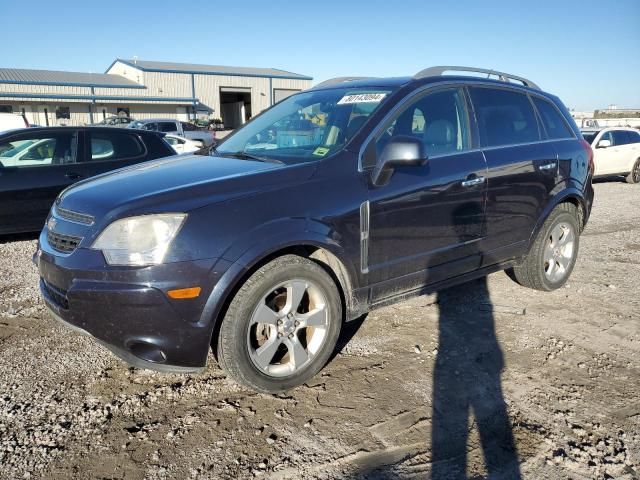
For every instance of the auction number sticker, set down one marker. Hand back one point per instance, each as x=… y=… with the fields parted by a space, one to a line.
x=362 y=98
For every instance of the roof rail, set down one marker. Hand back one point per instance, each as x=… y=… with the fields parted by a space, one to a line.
x=505 y=77
x=334 y=81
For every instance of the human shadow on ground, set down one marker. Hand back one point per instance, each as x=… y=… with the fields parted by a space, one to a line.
x=466 y=380
x=467 y=395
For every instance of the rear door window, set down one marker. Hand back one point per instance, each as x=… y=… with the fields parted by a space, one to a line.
x=114 y=146
x=554 y=124
x=39 y=150
x=505 y=117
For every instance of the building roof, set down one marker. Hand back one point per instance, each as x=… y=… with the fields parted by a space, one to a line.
x=57 y=78
x=153 y=66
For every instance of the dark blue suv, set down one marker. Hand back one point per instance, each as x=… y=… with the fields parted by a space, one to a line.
x=340 y=199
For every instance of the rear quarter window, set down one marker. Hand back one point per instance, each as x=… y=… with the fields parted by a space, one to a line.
x=553 y=122
x=505 y=117
x=634 y=137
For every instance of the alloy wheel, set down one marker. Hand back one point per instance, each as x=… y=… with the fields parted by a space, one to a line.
x=559 y=252
x=288 y=328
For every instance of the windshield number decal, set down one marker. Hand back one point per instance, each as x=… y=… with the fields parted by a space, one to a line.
x=362 y=98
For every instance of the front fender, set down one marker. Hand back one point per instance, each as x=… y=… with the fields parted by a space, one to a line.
x=262 y=243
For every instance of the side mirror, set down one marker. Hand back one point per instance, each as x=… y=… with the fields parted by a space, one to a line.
x=604 y=144
x=402 y=150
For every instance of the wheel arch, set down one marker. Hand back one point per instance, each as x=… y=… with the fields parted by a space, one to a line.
x=570 y=195
x=326 y=256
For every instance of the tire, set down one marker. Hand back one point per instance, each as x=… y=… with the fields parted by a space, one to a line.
x=634 y=175
x=261 y=335
x=547 y=266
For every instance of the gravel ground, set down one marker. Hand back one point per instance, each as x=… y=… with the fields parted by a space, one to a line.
x=549 y=380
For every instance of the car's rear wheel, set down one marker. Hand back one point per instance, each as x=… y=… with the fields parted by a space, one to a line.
x=553 y=253
x=634 y=175
x=282 y=325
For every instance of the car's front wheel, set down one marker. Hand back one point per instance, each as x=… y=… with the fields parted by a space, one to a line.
x=634 y=175
x=553 y=253
x=282 y=326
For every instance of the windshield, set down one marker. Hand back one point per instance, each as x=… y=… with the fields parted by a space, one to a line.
x=590 y=136
x=307 y=126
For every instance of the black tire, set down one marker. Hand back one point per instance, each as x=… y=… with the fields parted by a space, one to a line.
x=634 y=175
x=531 y=273
x=233 y=343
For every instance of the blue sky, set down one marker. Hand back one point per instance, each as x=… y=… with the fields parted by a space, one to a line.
x=587 y=51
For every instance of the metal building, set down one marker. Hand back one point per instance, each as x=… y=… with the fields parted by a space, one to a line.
x=145 y=89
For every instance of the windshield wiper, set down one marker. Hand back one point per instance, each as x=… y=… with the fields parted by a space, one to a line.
x=242 y=155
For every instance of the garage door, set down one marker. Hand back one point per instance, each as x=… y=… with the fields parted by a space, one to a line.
x=281 y=94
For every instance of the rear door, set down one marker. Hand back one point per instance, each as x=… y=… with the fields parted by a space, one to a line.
x=522 y=170
x=568 y=147
x=634 y=139
x=623 y=151
x=107 y=150
x=36 y=165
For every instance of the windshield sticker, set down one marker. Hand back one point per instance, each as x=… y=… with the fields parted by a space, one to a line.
x=362 y=98
x=321 y=151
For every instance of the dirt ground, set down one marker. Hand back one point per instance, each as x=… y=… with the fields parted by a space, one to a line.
x=549 y=381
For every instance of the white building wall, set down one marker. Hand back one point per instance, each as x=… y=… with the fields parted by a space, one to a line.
x=127 y=71
x=157 y=84
x=175 y=85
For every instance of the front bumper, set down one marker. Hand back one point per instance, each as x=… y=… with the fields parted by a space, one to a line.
x=127 y=308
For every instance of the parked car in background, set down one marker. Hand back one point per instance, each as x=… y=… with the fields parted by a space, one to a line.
x=616 y=152
x=12 y=121
x=338 y=200
x=182 y=145
x=115 y=121
x=176 y=127
x=36 y=164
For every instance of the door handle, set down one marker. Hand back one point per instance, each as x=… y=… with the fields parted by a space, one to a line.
x=73 y=176
x=548 y=166
x=473 y=181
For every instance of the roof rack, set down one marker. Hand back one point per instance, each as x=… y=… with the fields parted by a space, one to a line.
x=334 y=81
x=505 y=77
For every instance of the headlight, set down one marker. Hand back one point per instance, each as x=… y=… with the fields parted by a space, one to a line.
x=140 y=240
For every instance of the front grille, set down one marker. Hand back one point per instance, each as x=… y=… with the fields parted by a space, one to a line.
x=76 y=217
x=56 y=295
x=62 y=243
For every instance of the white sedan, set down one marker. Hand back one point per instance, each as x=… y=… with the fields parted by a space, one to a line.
x=616 y=151
x=181 y=144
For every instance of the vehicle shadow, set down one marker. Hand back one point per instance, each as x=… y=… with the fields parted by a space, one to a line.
x=348 y=331
x=19 y=237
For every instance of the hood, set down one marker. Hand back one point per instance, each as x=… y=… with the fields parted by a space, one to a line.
x=180 y=183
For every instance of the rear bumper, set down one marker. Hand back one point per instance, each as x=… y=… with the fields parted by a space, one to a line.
x=128 y=310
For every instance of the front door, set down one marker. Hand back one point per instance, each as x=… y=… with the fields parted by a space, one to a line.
x=34 y=168
x=605 y=157
x=424 y=224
